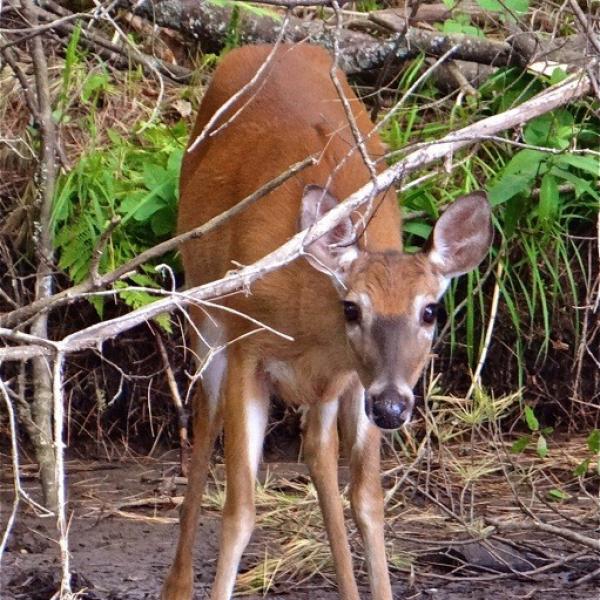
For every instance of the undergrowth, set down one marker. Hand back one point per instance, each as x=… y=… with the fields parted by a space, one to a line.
x=542 y=183
x=541 y=180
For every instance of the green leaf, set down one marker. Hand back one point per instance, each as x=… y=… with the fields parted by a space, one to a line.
x=520 y=444
x=553 y=129
x=163 y=222
x=174 y=162
x=508 y=187
x=93 y=85
x=531 y=419
x=418 y=228
x=549 y=198
x=590 y=164
x=558 y=75
x=542 y=447
x=593 y=441
x=520 y=6
x=491 y=5
x=557 y=495
x=582 y=468
x=582 y=186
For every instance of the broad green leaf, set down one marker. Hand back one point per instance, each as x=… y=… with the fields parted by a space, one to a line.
x=514 y=209
x=531 y=419
x=558 y=495
x=418 y=228
x=558 y=75
x=542 y=447
x=553 y=129
x=549 y=198
x=96 y=82
x=491 y=5
x=520 y=444
x=163 y=222
x=154 y=175
x=593 y=441
x=590 y=164
x=582 y=468
x=581 y=185
x=518 y=6
x=508 y=187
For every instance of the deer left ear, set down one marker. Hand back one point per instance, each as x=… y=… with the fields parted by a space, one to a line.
x=462 y=236
x=334 y=252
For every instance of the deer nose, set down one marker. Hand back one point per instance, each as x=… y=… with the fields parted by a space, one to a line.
x=389 y=409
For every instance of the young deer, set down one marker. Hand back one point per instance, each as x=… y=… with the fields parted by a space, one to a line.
x=361 y=312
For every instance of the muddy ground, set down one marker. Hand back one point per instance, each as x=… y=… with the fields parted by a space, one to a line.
x=122 y=546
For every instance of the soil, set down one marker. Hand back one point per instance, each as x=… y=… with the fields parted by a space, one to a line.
x=121 y=551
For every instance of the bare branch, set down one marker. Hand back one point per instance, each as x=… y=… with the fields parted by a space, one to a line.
x=558 y=95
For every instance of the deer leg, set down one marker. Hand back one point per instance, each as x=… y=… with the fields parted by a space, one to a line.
x=321 y=455
x=362 y=442
x=246 y=411
x=208 y=422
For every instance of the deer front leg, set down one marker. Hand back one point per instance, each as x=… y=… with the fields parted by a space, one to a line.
x=362 y=442
x=245 y=414
x=208 y=421
x=321 y=455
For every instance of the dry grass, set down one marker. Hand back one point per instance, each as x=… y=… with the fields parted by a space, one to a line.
x=440 y=499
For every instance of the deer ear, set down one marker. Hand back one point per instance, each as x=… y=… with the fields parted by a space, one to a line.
x=462 y=236
x=335 y=251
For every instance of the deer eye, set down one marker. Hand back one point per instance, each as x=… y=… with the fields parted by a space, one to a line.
x=351 y=312
x=430 y=313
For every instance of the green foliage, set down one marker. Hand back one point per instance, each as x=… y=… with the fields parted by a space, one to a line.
x=505 y=6
x=134 y=179
x=593 y=447
x=542 y=194
x=537 y=435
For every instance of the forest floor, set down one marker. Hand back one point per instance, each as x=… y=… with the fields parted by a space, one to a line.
x=123 y=531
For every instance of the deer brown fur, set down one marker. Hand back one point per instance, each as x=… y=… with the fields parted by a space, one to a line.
x=361 y=312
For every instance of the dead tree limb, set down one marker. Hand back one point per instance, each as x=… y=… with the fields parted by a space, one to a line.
x=41 y=404
x=359 y=51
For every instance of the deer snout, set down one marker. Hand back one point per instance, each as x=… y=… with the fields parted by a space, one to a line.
x=390 y=408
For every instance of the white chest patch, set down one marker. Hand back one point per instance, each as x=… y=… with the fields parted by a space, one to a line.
x=280 y=373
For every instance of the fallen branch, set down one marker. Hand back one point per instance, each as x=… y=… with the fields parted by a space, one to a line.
x=358 y=52
x=563 y=532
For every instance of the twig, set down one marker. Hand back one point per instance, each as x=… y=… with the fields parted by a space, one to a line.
x=552 y=98
x=583 y=20
x=29 y=97
x=59 y=422
x=182 y=416
x=358 y=138
x=12 y=423
x=208 y=128
x=567 y=534
x=489 y=332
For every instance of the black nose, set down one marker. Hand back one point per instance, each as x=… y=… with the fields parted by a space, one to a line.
x=388 y=408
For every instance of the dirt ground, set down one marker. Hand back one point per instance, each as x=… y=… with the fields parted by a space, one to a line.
x=122 y=544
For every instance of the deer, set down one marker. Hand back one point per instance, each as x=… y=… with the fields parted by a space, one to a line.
x=360 y=312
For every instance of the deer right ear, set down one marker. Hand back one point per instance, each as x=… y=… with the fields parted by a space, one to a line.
x=462 y=236
x=334 y=252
